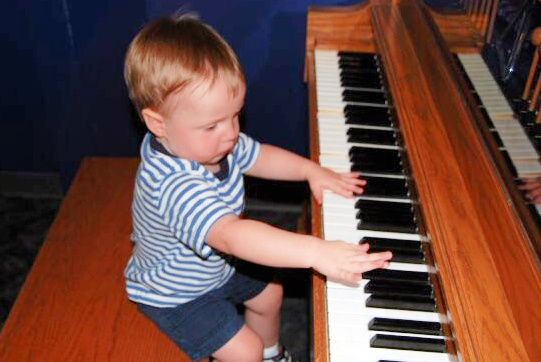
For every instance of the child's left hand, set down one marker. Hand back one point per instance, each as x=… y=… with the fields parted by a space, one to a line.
x=345 y=184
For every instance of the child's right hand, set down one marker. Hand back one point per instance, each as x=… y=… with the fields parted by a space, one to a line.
x=346 y=262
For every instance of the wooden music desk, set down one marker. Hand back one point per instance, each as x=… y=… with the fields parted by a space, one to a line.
x=73 y=306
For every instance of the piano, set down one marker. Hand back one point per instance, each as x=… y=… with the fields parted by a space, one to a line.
x=394 y=93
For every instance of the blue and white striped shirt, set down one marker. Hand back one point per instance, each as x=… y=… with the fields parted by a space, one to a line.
x=175 y=203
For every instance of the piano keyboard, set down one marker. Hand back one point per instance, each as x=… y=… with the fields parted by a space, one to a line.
x=513 y=142
x=391 y=315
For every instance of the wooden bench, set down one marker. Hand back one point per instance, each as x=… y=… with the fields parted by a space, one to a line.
x=72 y=306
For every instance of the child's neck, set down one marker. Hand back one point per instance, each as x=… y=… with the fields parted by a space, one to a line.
x=212 y=168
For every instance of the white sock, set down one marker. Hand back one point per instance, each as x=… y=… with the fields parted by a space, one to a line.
x=271 y=351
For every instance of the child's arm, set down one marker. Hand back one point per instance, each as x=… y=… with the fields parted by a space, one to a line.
x=278 y=164
x=263 y=244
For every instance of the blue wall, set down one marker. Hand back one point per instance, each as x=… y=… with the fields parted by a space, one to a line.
x=62 y=95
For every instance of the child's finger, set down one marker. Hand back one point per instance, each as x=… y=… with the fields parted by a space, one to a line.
x=382 y=255
x=352 y=178
x=351 y=277
x=370 y=265
x=363 y=246
x=347 y=188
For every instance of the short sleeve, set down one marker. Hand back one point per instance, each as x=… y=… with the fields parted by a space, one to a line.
x=190 y=208
x=246 y=152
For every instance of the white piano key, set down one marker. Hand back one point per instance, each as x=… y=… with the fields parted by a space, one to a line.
x=332 y=124
x=357 y=307
x=348 y=351
x=335 y=232
x=332 y=143
x=359 y=332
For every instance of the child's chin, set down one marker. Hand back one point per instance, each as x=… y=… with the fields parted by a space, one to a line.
x=216 y=160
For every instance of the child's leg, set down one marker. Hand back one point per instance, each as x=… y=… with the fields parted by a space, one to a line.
x=245 y=346
x=262 y=313
x=262 y=320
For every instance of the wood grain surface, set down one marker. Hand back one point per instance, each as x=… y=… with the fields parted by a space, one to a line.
x=73 y=306
x=484 y=252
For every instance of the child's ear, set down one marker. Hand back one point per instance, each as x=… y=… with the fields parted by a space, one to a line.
x=154 y=121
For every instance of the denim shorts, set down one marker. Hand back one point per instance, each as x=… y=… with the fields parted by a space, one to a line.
x=203 y=325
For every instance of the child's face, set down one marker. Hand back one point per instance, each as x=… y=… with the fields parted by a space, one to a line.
x=202 y=122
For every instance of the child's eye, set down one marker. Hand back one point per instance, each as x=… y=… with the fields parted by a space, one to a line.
x=211 y=127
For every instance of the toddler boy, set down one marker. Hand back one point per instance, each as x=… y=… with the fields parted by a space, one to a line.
x=189 y=89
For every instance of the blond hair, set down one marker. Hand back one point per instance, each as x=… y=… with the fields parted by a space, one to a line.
x=169 y=54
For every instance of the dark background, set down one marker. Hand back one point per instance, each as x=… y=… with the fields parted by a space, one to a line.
x=62 y=95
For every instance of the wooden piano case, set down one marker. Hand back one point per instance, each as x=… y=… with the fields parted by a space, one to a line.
x=482 y=243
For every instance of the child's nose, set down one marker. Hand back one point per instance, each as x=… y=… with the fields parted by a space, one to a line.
x=230 y=131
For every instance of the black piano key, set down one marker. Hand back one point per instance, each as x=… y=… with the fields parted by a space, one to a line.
x=375 y=157
x=398 y=289
x=400 y=216
x=352 y=73
x=405 y=326
x=476 y=98
x=394 y=244
x=509 y=163
x=356 y=55
x=527 y=118
x=371 y=136
x=485 y=115
x=351 y=65
x=398 y=207
x=378 y=168
x=372 y=167
x=391 y=217
x=366 y=61
x=385 y=218
x=387 y=227
x=405 y=276
x=361 y=80
x=362 y=60
x=400 y=256
x=533 y=210
x=385 y=187
x=352 y=69
x=468 y=80
x=363 y=96
x=384 y=154
x=367 y=115
x=384 y=209
x=408 y=343
x=374 y=160
x=497 y=138
x=402 y=303
x=404 y=251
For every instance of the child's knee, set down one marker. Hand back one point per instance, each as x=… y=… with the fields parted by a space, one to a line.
x=245 y=346
x=276 y=295
x=268 y=301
